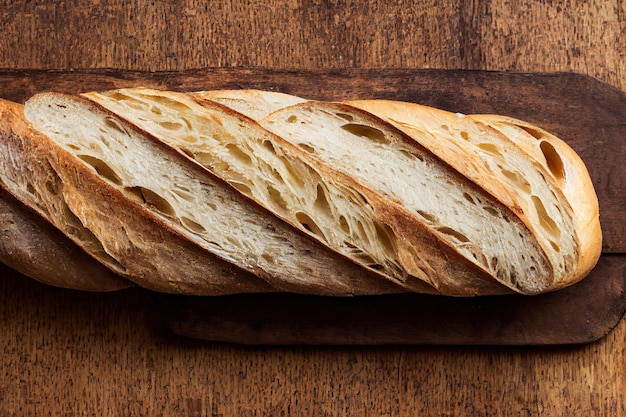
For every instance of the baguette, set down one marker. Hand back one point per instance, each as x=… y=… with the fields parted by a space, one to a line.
x=168 y=223
x=521 y=165
x=232 y=191
x=33 y=247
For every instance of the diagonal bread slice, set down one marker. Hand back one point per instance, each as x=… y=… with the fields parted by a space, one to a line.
x=524 y=167
x=521 y=165
x=281 y=177
x=172 y=225
x=33 y=247
x=256 y=104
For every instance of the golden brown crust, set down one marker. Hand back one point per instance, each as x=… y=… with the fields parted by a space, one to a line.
x=33 y=247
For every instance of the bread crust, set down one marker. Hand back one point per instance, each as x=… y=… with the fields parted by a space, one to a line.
x=32 y=246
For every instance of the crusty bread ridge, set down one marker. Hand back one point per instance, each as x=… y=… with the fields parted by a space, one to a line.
x=173 y=226
x=33 y=247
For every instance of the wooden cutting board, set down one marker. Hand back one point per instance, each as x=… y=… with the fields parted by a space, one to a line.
x=589 y=115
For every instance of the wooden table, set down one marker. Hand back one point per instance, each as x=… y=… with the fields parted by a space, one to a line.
x=74 y=353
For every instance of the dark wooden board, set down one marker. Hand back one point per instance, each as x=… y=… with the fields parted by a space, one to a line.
x=589 y=115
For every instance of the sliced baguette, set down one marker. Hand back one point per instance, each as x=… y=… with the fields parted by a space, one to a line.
x=168 y=222
x=277 y=175
x=32 y=246
x=520 y=164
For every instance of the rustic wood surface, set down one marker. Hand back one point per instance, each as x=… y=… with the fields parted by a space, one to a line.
x=74 y=353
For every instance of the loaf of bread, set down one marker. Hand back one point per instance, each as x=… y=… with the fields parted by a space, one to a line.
x=220 y=192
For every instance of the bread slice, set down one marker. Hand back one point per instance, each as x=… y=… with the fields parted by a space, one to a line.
x=264 y=167
x=168 y=222
x=256 y=104
x=33 y=247
x=523 y=166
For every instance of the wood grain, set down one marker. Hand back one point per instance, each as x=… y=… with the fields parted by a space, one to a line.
x=549 y=100
x=69 y=353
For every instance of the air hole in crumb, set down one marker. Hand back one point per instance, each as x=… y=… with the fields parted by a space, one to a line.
x=490 y=148
x=494 y=263
x=427 y=216
x=102 y=168
x=171 y=125
x=276 y=197
x=469 y=198
x=386 y=237
x=269 y=146
x=321 y=201
x=345 y=116
x=306 y=147
x=537 y=134
x=555 y=246
x=241 y=187
x=553 y=159
x=153 y=200
x=192 y=225
x=517 y=179
x=52 y=188
x=309 y=224
x=115 y=124
x=544 y=218
x=491 y=211
x=411 y=155
x=292 y=119
x=343 y=224
x=369 y=132
x=454 y=233
x=464 y=135
x=238 y=154
x=217 y=120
